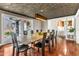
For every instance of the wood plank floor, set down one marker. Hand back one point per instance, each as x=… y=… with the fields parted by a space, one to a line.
x=62 y=48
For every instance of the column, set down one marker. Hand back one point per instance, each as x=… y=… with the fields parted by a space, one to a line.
x=77 y=26
x=65 y=28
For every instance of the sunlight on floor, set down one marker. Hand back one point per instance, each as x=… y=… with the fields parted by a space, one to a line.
x=65 y=48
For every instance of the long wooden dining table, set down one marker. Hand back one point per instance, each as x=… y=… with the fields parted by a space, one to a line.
x=35 y=38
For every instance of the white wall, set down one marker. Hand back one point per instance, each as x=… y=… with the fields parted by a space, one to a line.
x=52 y=24
x=36 y=25
x=44 y=25
x=0 y=28
x=77 y=26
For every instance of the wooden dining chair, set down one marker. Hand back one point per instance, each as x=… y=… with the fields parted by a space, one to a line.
x=41 y=44
x=32 y=32
x=48 y=37
x=41 y=30
x=48 y=31
x=18 y=48
x=48 y=42
x=56 y=37
x=52 y=37
x=37 y=31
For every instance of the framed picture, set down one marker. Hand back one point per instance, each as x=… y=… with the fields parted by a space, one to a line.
x=70 y=23
x=28 y=23
x=60 y=23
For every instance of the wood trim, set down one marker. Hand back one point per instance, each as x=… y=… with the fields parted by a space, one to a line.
x=17 y=13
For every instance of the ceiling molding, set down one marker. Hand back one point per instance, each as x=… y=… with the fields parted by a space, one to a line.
x=17 y=13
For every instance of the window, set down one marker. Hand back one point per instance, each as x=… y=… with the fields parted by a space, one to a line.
x=25 y=26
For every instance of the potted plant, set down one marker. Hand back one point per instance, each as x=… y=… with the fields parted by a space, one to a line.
x=7 y=33
x=71 y=30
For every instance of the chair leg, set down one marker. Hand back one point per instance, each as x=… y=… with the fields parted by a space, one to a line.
x=17 y=53
x=25 y=52
x=49 y=47
x=38 y=50
x=13 y=53
x=53 y=43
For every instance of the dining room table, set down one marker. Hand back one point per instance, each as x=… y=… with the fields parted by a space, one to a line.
x=39 y=37
x=36 y=37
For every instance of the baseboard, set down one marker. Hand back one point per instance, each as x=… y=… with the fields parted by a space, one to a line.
x=71 y=41
x=1 y=45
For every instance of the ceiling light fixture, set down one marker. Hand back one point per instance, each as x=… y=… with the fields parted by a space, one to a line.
x=40 y=17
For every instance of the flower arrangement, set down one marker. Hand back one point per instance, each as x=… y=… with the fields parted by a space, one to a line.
x=40 y=33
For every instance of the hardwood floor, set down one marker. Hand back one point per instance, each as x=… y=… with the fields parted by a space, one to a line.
x=62 y=48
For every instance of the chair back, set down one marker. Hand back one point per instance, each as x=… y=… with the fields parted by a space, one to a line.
x=37 y=31
x=48 y=31
x=32 y=32
x=44 y=35
x=52 y=34
x=56 y=34
x=56 y=37
x=41 y=30
x=44 y=38
x=43 y=43
x=14 y=41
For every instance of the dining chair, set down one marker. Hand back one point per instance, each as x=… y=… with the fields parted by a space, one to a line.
x=48 y=37
x=41 y=44
x=52 y=37
x=56 y=37
x=32 y=32
x=37 y=30
x=48 y=31
x=18 y=48
x=41 y=30
x=48 y=43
